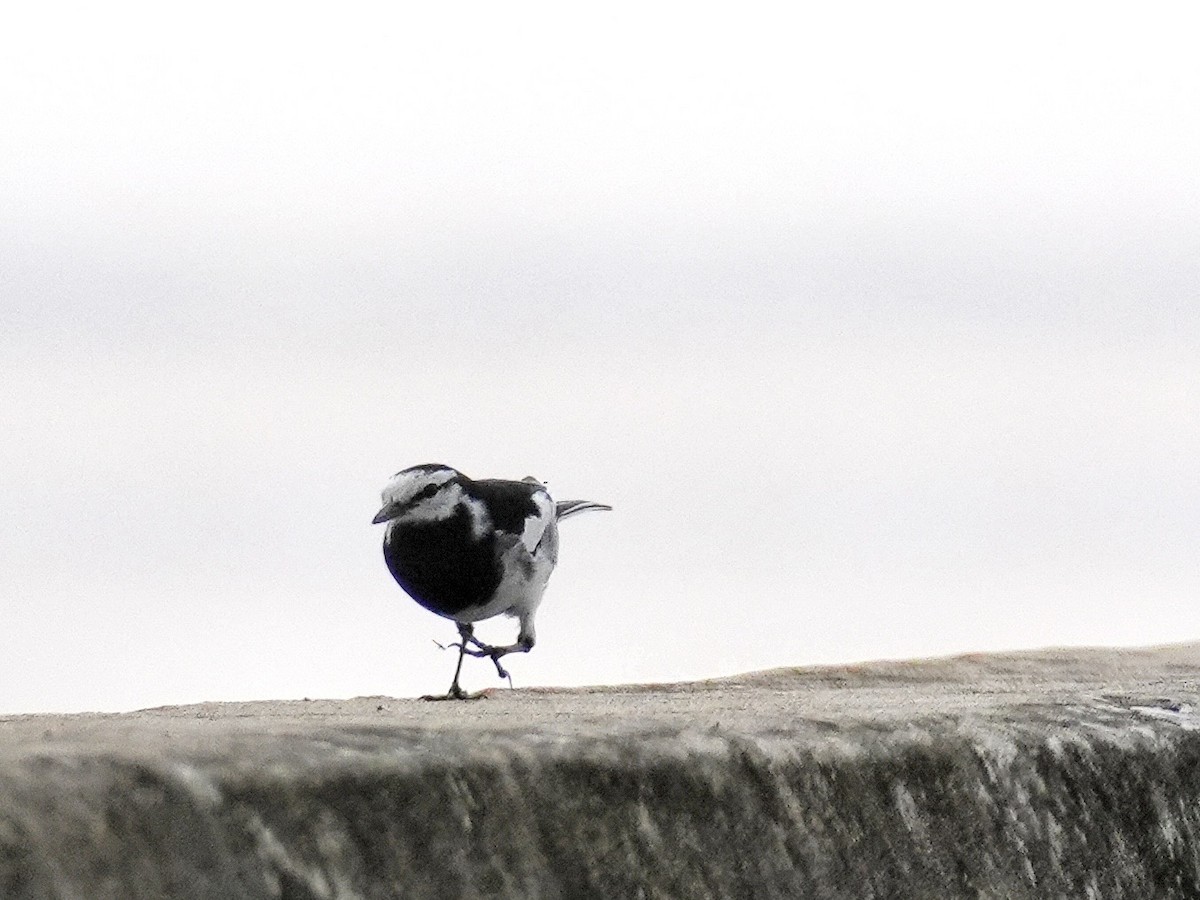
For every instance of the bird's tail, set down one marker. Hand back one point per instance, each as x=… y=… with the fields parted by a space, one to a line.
x=565 y=508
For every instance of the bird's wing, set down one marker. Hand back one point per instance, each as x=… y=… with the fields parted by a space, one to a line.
x=537 y=522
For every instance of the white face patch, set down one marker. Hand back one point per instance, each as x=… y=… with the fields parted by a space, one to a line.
x=445 y=504
x=433 y=497
x=404 y=486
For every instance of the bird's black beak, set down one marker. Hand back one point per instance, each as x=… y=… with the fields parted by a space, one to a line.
x=386 y=514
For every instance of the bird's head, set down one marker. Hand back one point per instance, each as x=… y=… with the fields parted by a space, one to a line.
x=426 y=492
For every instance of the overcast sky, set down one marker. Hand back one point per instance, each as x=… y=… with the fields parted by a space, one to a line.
x=877 y=324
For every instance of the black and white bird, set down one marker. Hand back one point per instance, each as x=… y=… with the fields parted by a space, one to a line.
x=470 y=550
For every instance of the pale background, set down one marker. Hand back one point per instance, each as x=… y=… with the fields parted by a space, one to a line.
x=877 y=323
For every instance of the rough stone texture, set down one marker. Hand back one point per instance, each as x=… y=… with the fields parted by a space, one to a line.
x=1049 y=774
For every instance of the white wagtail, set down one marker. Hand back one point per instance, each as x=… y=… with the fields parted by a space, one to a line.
x=469 y=550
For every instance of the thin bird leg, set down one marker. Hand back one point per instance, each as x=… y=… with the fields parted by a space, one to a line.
x=455 y=689
x=470 y=645
x=456 y=692
x=487 y=651
x=468 y=636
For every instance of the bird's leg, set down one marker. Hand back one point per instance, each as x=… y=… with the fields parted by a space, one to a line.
x=494 y=654
x=467 y=632
x=469 y=645
x=524 y=644
x=456 y=692
x=487 y=651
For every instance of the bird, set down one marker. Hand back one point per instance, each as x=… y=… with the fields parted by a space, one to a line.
x=469 y=550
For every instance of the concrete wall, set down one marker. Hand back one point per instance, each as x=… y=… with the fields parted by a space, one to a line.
x=1045 y=788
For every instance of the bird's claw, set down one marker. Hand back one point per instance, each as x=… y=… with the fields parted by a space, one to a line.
x=456 y=693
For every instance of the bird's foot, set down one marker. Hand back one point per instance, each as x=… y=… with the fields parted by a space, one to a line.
x=481 y=650
x=492 y=653
x=457 y=693
x=470 y=645
x=461 y=695
x=486 y=651
x=494 y=656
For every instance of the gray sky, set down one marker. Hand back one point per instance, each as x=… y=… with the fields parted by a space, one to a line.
x=877 y=326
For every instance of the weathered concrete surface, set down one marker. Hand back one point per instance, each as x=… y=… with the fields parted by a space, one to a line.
x=1050 y=774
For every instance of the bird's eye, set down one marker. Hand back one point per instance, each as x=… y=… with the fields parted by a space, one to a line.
x=426 y=492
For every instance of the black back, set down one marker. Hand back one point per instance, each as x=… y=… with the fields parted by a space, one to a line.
x=509 y=503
